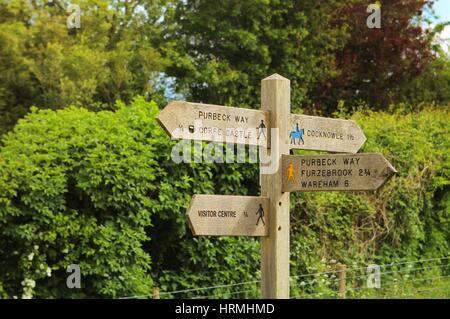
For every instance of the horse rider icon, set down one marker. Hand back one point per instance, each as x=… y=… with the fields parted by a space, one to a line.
x=261 y=215
x=297 y=134
x=261 y=129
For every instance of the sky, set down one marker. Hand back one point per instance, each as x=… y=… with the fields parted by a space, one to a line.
x=442 y=9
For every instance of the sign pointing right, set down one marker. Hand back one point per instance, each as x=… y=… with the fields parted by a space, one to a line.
x=325 y=134
x=343 y=172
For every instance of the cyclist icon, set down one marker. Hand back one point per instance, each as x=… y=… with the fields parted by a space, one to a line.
x=261 y=215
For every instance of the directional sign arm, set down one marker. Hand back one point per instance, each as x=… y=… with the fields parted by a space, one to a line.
x=325 y=134
x=208 y=122
x=335 y=172
x=226 y=215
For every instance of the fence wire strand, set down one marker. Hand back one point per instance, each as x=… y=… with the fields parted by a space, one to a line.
x=352 y=269
x=383 y=286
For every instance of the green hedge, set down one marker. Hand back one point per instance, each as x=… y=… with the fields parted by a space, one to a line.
x=407 y=219
x=74 y=188
x=100 y=190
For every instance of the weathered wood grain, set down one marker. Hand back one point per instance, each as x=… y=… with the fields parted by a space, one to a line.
x=335 y=172
x=227 y=215
x=275 y=98
x=208 y=122
x=325 y=134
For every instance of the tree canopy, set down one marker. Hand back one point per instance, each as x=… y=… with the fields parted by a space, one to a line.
x=43 y=63
x=215 y=52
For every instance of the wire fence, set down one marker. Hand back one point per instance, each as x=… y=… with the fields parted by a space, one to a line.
x=401 y=275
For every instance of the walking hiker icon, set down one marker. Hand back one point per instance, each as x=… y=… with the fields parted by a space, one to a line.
x=290 y=173
x=261 y=130
x=261 y=215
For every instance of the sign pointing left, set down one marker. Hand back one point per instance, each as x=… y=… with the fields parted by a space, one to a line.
x=207 y=122
x=227 y=215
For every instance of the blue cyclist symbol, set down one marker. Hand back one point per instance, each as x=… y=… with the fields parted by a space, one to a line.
x=297 y=134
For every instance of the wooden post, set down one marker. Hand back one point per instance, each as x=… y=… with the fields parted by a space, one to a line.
x=342 y=278
x=156 y=293
x=275 y=98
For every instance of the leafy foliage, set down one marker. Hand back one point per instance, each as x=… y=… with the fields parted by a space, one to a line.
x=219 y=52
x=100 y=189
x=74 y=189
x=224 y=49
x=376 y=63
x=44 y=63
x=215 y=53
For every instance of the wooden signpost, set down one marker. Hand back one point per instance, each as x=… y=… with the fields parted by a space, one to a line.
x=275 y=98
x=226 y=215
x=344 y=172
x=274 y=128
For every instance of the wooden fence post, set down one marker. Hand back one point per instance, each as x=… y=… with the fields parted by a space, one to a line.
x=342 y=279
x=275 y=98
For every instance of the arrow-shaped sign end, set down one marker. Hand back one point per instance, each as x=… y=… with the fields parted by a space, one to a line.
x=167 y=116
x=363 y=137
x=389 y=172
x=188 y=215
x=161 y=121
